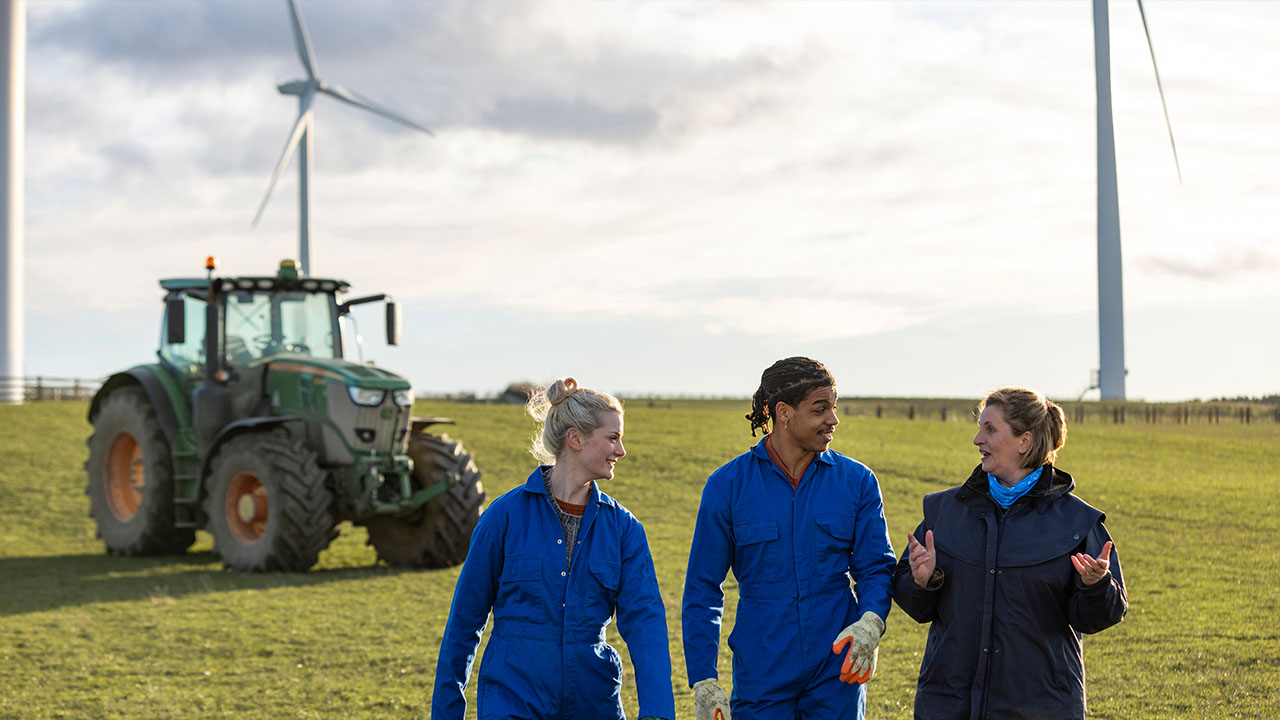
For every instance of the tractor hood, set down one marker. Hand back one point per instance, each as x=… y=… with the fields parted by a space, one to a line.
x=349 y=373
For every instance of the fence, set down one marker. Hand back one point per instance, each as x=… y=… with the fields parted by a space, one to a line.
x=40 y=388
x=1079 y=413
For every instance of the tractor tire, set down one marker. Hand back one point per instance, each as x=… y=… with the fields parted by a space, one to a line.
x=438 y=534
x=268 y=506
x=131 y=479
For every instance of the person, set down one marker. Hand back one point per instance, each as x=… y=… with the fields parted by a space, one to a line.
x=554 y=559
x=1009 y=569
x=794 y=520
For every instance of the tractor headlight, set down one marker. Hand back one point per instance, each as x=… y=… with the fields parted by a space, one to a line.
x=403 y=398
x=365 y=396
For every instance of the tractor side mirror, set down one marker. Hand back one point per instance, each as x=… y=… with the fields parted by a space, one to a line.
x=175 y=321
x=393 y=322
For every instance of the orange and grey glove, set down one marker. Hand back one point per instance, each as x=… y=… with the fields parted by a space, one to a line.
x=863 y=639
x=709 y=701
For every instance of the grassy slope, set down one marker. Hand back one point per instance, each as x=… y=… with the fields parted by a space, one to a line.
x=85 y=635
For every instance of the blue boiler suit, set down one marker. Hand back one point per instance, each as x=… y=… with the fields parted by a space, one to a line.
x=793 y=552
x=547 y=656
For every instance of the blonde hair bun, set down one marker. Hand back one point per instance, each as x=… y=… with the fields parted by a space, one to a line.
x=561 y=390
x=563 y=405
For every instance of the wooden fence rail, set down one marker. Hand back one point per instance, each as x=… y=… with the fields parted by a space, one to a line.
x=1078 y=413
x=41 y=388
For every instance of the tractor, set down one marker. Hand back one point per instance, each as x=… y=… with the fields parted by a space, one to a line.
x=253 y=427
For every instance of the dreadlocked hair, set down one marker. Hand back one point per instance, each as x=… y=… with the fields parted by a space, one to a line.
x=789 y=381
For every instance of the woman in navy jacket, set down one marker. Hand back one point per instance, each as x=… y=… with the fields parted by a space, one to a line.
x=1012 y=569
x=554 y=559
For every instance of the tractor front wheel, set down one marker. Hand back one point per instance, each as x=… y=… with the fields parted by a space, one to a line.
x=268 y=506
x=438 y=534
x=131 y=478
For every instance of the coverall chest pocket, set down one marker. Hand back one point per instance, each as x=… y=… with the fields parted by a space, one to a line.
x=755 y=552
x=608 y=576
x=835 y=540
x=521 y=596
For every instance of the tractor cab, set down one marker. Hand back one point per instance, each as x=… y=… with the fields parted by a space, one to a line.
x=257 y=319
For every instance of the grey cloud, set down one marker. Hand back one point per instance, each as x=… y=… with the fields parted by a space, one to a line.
x=780 y=287
x=1224 y=266
x=576 y=118
x=126 y=156
x=446 y=65
x=164 y=40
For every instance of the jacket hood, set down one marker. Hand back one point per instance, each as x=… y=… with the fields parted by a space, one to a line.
x=1052 y=483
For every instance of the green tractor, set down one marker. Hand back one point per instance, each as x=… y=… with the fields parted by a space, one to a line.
x=252 y=427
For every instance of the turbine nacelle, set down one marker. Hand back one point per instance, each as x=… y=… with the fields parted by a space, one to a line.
x=298 y=87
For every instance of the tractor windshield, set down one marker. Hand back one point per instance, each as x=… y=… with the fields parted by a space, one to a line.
x=261 y=324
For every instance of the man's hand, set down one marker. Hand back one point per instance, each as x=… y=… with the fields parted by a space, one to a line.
x=709 y=701
x=863 y=639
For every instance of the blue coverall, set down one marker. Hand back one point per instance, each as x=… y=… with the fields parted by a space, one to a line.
x=547 y=656
x=793 y=552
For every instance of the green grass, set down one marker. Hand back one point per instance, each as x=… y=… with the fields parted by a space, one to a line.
x=87 y=635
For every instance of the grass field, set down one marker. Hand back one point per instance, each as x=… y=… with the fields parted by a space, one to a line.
x=1193 y=510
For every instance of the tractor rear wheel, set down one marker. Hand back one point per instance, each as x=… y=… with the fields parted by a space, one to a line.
x=268 y=507
x=131 y=478
x=438 y=534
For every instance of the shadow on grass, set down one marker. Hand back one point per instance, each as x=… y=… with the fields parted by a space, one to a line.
x=36 y=584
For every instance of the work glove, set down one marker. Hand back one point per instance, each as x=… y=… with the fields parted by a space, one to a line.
x=709 y=701
x=863 y=639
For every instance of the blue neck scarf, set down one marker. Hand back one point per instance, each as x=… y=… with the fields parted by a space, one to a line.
x=1005 y=496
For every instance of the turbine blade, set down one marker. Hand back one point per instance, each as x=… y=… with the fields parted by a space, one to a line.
x=359 y=101
x=1160 y=87
x=303 y=41
x=299 y=127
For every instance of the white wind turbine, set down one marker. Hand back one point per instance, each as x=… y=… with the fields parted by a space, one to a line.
x=300 y=138
x=1111 y=370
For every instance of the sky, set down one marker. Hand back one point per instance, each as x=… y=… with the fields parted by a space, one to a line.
x=666 y=197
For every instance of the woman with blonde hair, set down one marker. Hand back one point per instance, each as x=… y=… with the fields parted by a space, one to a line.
x=1009 y=569
x=554 y=559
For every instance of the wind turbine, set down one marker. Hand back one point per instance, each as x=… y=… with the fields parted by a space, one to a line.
x=1111 y=370
x=300 y=138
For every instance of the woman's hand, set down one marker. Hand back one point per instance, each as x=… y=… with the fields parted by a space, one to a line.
x=1091 y=571
x=922 y=558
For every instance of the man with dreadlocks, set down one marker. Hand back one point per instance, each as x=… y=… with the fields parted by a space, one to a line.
x=795 y=521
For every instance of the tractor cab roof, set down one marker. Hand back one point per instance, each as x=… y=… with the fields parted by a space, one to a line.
x=261 y=283
x=287 y=279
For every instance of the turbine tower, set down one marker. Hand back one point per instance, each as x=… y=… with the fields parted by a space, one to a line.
x=300 y=138
x=1111 y=369
x=13 y=64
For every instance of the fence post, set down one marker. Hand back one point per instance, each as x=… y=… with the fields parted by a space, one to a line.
x=879 y=410
x=944 y=413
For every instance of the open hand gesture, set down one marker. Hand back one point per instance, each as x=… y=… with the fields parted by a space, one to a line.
x=922 y=558
x=1091 y=571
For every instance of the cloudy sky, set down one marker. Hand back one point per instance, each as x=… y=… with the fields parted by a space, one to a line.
x=666 y=197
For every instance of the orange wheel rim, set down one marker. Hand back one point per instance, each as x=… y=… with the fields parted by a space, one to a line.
x=125 y=476
x=246 y=507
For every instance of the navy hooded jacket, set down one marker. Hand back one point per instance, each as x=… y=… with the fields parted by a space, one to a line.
x=1004 y=639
